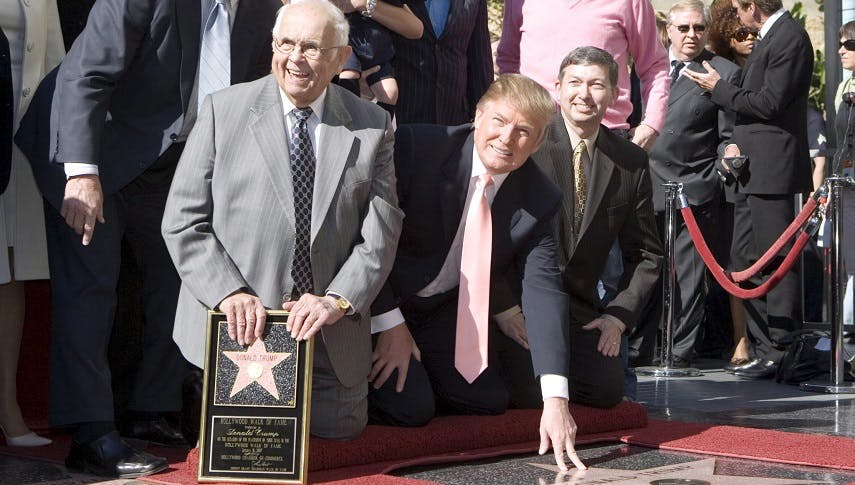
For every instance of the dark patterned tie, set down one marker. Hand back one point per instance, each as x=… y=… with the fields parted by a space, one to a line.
x=303 y=174
x=676 y=67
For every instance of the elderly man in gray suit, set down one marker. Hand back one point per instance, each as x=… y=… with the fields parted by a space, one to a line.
x=285 y=197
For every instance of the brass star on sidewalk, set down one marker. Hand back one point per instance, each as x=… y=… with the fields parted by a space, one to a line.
x=256 y=365
x=701 y=471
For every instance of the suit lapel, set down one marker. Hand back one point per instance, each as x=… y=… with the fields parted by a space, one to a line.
x=332 y=155
x=268 y=128
x=455 y=11
x=454 y=187
x=560 y=154
x=684 y=85
x=188 y=15
x=601 y=172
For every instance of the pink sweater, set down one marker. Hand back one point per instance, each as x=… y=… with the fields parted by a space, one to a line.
x=537 y=34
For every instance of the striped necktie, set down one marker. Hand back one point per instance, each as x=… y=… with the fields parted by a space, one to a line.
x=215 y=56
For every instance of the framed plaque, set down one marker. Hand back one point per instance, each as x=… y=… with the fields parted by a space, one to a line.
x=255 y=405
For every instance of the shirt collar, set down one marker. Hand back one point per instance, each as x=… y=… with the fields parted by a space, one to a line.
x=316 y=105
x=478 y=168
x=575 y=139
x=771 y=21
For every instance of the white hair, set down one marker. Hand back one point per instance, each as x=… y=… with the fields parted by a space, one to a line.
x=341 y=28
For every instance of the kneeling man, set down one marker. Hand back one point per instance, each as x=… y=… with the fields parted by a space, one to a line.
x=476 y=210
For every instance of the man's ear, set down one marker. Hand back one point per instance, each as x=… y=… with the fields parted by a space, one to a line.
x=343 y=53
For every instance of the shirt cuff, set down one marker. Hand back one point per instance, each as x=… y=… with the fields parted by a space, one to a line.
x=73 y=169
x=385 y=321
x=554 y=385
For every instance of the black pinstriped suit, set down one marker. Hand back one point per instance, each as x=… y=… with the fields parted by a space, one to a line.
x=441 y=79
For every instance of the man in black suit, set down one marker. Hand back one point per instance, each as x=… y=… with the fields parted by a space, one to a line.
x=126 y=97
x=443 y=74
x=607 y=199
x=696 y=130
x=771 y=130
x=440 y=175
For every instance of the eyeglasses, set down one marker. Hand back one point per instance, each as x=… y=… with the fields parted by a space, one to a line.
x=742 y=34
x=309 y=50
x=684 y=29
x=848 y=44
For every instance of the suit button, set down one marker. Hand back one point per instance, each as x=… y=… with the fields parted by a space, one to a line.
x=426 y=279
x=26 y=3
x=142 y=164
x=30 y=46
x=25 y=92
x=668 y=163
x=173 y=137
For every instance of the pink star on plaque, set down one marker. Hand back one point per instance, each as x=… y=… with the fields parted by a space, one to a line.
x=256 y=365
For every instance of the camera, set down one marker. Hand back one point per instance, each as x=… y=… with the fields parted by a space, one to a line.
x=736 y=164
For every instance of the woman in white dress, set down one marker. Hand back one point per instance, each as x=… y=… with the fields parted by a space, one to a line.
x=35 y=47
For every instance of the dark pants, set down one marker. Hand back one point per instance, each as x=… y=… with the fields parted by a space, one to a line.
x=508 y=381
x=83 y=284
x=690 y=284
x=758 y=221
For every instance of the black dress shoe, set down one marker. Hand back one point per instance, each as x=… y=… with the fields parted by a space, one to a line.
x=736 y=364
x=757 y=369
x=155 y=430
x=109 y=456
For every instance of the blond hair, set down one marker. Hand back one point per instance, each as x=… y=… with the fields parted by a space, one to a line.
x=524 y=94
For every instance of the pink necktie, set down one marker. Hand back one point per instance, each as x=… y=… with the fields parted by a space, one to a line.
x=473 y=306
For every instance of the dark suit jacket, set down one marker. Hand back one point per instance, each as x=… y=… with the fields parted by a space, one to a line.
x=433 y=165
x=442 y=79
x=618 y=208
x=770 y=102
x=7 y=113
x=695 y=129
x=124 y=86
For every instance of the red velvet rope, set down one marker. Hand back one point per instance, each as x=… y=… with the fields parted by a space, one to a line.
x=723 y=279
x=798 y=222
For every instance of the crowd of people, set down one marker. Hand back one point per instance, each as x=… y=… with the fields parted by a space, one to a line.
x=453 y=241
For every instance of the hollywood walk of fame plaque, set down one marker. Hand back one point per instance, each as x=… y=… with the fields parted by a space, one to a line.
x=255 y=408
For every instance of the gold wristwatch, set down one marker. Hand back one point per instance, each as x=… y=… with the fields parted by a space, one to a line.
x=341 y=303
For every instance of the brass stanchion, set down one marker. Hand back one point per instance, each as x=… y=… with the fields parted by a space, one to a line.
x=673 y=191
x=835 y=383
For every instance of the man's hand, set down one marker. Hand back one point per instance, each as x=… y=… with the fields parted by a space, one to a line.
x=245 y=317
x=705 y=80
x=610 y=332
x=308 y=314
x=514 y=327
x=644 y=136
x=393 y=350
x=558 y=429
x=83 y=204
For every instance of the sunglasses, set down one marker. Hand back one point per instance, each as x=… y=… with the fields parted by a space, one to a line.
x=684 y=29
x=743 y=34
x=848 y=44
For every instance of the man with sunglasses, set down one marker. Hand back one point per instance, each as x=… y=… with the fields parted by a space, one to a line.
x=686 y=151
x=771 y=130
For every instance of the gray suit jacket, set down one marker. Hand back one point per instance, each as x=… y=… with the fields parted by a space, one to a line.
x=229 y=219
x=694 y=133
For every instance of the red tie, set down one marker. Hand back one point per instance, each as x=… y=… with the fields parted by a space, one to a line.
x=473 y=306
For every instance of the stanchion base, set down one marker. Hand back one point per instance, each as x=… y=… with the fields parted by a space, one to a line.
x=667 y=371
x=828 y=387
